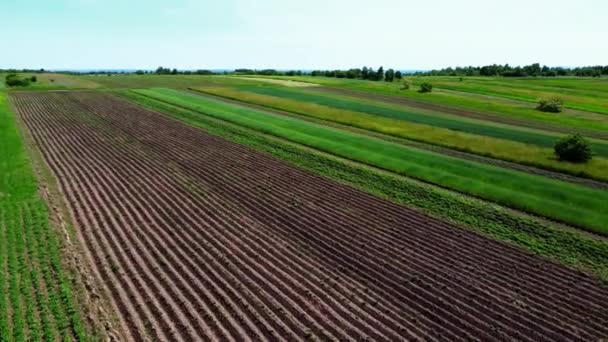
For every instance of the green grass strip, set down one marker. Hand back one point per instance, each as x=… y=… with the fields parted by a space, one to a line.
x=480 y=145
x=47 y=331
x=526 y=136
x=5 y=329
x=563 y=201
x=31 y=265
x=521 y=110
x=585 y=100
x=15 y=272
x=566 y=246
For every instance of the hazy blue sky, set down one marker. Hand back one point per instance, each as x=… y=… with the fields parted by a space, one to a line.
x=409 y=34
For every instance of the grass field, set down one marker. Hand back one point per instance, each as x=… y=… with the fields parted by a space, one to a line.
x=582 y=94
x=389 y=121
x=37 y=300
x=476 y=127
x=167 y=81
x=522 y=110
x=55 y=81
x=563 y=245
x=576 y=205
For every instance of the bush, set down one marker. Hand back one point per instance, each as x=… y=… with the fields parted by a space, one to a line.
x=573 y=148
x=34 y=79
x=406 y=85
x=551 y=105
x=425 y=88
x=12 y=80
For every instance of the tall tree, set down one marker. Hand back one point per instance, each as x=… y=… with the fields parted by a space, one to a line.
x=379 y=74
x=389 y=75
x=365 y=73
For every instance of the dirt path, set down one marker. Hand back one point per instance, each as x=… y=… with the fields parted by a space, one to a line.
x=460 y=112
x=198 y=238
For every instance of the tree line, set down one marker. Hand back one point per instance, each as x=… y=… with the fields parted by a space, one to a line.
x=167 y=71
x=533 y=70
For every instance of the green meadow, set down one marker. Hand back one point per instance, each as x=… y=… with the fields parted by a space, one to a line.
x=391 y=121
x=498 y=106
x=586 y=94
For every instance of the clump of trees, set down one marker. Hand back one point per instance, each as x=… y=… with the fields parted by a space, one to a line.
x=364 y=73
x=550 y=105
x=573 y=148
x=534 y=70
x=167 y=71
x=13 y=80
x=267 y=72
x=425 y=88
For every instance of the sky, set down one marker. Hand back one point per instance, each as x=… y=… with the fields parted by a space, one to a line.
x=301 y=34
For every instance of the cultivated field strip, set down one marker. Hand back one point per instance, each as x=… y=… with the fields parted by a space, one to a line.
x=420 y=145
x=199 y=238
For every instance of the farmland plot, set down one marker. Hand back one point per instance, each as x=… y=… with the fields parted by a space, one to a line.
x=196 y=237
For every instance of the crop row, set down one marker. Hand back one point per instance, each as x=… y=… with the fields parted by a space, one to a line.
x=36 y=297
x=413 y=115
x=502 y=149
x=197 y=237
x=563 y=201
x=493 y=108
x=566 y=246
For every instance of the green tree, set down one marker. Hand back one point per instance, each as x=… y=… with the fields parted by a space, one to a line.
x=573 y=148
x=379 y=74
x=425 y=88
x=551 y=105
x=398 y=75
x=365 y=73
x=389 y=75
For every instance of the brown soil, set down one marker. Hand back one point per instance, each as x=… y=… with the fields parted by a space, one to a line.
x=198 y=238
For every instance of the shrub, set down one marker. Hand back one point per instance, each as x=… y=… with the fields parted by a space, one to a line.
x=12 y=80
x=551 y=105
x=573 y=148
x=34 y=79
x=426 y=87
x=406 y=85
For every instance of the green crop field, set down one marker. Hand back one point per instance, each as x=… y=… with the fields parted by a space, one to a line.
x=576 y=205
x=593 y=97
x=310 y=104
x=167 y=81
x=497 y=106
x=37 y=300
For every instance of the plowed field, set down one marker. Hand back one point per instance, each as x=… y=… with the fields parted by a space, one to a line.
x=196 y=237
